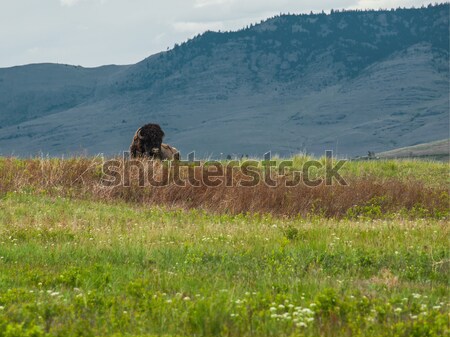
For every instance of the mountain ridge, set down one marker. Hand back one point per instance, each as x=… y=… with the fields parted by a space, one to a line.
x=348 y=81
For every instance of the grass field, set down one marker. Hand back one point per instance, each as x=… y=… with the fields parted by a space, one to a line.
x=78 y=262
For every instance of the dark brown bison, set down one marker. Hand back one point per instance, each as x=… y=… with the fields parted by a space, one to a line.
x=147 y=142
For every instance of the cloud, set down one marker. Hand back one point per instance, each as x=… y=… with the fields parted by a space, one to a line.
x=197 y=27
x=205 y=3
x=70 y=3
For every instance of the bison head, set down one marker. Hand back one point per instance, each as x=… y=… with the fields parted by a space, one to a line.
x=147 y=141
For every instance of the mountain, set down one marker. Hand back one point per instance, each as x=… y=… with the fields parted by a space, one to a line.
x=350 y=81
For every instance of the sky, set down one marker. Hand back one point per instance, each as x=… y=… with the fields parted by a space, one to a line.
x=97 y=32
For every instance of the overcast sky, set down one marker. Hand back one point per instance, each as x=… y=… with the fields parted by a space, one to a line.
x=98 y=32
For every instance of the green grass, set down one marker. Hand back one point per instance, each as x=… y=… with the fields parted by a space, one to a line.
x=431 y=173
x=86 y=268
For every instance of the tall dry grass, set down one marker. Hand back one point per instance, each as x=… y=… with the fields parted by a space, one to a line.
x=363 y=196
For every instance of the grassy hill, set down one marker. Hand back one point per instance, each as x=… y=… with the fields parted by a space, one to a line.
x=435 y=150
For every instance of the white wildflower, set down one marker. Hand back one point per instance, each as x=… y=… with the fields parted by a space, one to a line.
x=307 y=311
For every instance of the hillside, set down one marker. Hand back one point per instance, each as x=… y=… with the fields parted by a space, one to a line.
x=437 y=150
x=349 y=81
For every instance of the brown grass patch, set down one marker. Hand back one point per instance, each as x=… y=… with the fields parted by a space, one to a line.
x=367 y=196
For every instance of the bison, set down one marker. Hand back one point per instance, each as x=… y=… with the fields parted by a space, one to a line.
x=147 y=142
x=169 y=152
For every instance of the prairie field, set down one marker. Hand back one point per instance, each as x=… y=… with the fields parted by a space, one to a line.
x=80 y=258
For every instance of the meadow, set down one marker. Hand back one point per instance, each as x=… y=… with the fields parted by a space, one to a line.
x=81 y=259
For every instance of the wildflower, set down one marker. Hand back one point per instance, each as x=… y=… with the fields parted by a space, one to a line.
x=416 y=295
x=413 y=316
x=281 y=306
x=54 y=294
x=436 y=307
x=2 y=307
x=312 y=305
x=290 y=305
x=169 y=301
x=307 y=311
x=302 y=325
x=273 y=309
x=187 y=298
x=398 y=310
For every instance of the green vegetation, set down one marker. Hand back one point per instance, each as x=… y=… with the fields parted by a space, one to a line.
x=430 y=173
x=79 y=259
x=87 y=268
